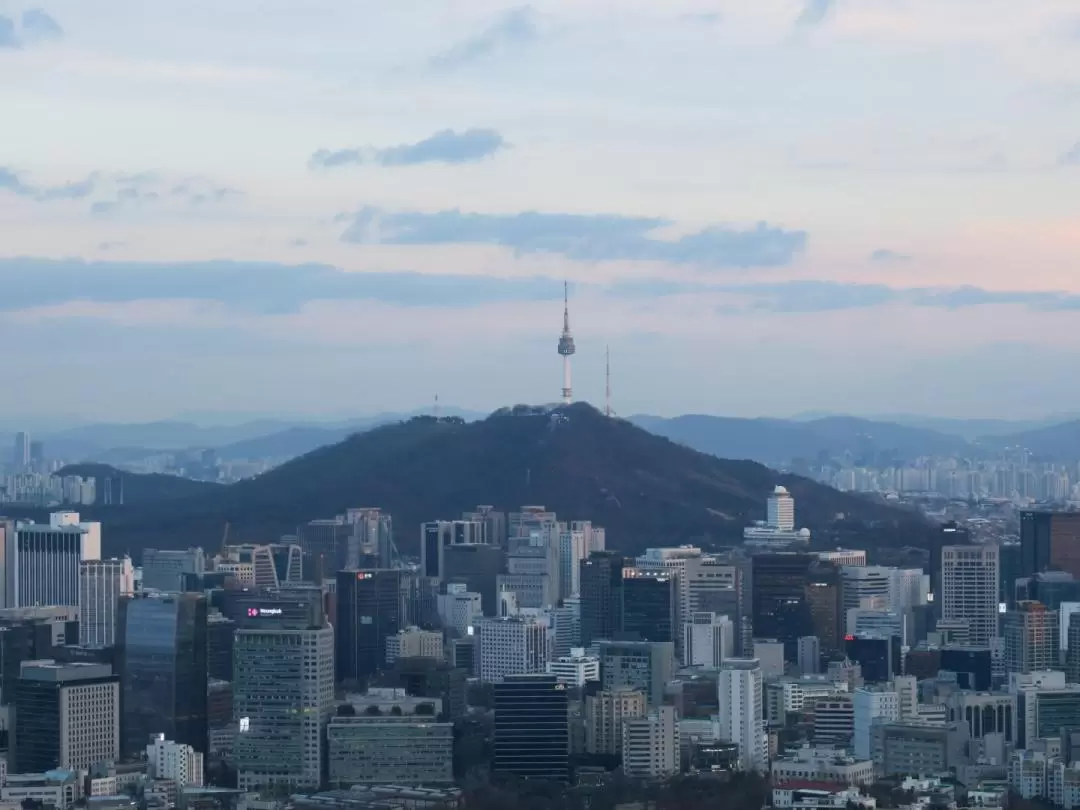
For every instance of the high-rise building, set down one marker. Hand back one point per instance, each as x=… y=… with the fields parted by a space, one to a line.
x=32 y=634
x=604 y=715
x=21 y=456
x=438 y=535
x=1011 y=561
x=740 y=717
x=865 y=586
x=262 y=566
x=163 y=675
x=412 y=642
x=878 y=656
x=283 y=692
x=794 y=595
x=66 y=716
x=650 y=604
x=531 y=728
x=494 y=520
x=102 y=583
x=573 y=550
x=174 y=761
x=872 y=705
x=369 y=610
x=969 y=579
x=372 y=539
x=950 y=534
x=1049 y=540
x=640 y=665
x=1072 y=653
x=220 y=638
x=809 y=655
x=476 y=566
x=601 y=582
x=325 y=545
x=1031 y=638
x=575 y=669
x=707 y=640
x=650 y=748
x=42 y=562
x=780 y=510
x=513 y=645
x=163 y=569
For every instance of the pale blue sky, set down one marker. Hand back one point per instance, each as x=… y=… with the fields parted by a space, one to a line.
x=764 y=207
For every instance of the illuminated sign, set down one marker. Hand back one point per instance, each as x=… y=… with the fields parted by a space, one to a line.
x=253 y=612
x=364 y=575
x=1002 y=607
x=849 y=638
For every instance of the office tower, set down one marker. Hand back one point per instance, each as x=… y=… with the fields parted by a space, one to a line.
x=531 y=730
x=973 y=666
x=426 y=677
x=410 y=749
x=412 y=642
x=650 y=604
x=565 y=623
x=1049 y=540
x=865 y=586
x=713 y=585
x=372 y=539
x=823 y=603
x=21 y=456
x=1031 y=638
x=950 y=534
x=495 y=529
x=220 y=636
x=601 y=596
x=37 y=456
x=1011 y=561
x=477 y=566
x=531 y=591
x=179 y=763
x=769 y=653
x=515 y=645
x=834 y=720
x=277 y=565
x=843 y=557
x=780 y=510
x=969 y=579
x=283 y=692
x=537 y=555
x=465 y=655
x=871 y=705
x=1072 y=654
x=650 y=748
x=438 y=535
x=878 y=655
x=102 y=583
x=66 y=716
x=531 y=520
x=1052 y=588
x=740 y=718
x=641 y=665
x=42 y=565
x=162 y=641
x=573 y=550
x=162 y=569
x=707 y=640
x=681 y=564
x=605 y=712
x=325 y=545
x=795 y=594
x=809 y=655
x=32 y=634
x=575 y=669
x=459 y=609
x=369 y=608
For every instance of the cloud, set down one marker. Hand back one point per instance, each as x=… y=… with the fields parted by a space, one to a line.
x=884 y=255
x=582 y=237
x=8 y=37
x=515 y=28
x=814 y=13
x=11 y=181
x=1070 y=157
x=445 y=146
x=37 y=25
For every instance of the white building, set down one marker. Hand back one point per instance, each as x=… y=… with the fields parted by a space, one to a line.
x=412 y=642
x=605 y=713
x=514 y=645
x=575 y=669
x=573 y=548
x=780 y=510
x=707 y=640
x=101 y=584
x=865 y=586
x=459 y=608
x=740 y=702
x=650 y=744
x=770 y=654
x=42 y=561
x=872 y=706
x=833 y=765
x=843 y=557
x=171 y=760
x=969 y=584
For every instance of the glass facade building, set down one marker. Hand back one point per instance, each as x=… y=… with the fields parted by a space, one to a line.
x=531 y=730
x=163 y=675
x=370 y=607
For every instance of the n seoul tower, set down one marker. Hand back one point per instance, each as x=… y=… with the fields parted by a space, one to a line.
x=566 y=348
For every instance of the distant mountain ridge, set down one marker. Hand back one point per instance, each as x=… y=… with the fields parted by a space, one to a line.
x=644 y=489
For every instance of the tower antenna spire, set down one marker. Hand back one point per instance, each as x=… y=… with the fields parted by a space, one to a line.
x=566 y=347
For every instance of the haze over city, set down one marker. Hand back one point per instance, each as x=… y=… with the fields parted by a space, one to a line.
x=763 y=208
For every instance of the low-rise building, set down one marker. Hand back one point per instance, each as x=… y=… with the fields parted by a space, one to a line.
x=369 y=749
x=819 y=796
x=832 y=765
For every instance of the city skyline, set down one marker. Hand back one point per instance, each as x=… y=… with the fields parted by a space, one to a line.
x=885 y=188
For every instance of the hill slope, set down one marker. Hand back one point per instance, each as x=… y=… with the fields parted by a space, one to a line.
x=1061 y=441
x=139 y=488
x=644 y=489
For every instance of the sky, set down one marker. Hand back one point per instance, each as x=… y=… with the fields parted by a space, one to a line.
x=761 y=208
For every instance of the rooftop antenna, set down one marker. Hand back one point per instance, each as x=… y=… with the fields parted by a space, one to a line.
x=437 y=411
x=566 y=347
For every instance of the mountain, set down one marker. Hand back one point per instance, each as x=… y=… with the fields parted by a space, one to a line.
x=139 y=488
x=776 y=441
x=645 y=489
x=1060 y=442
